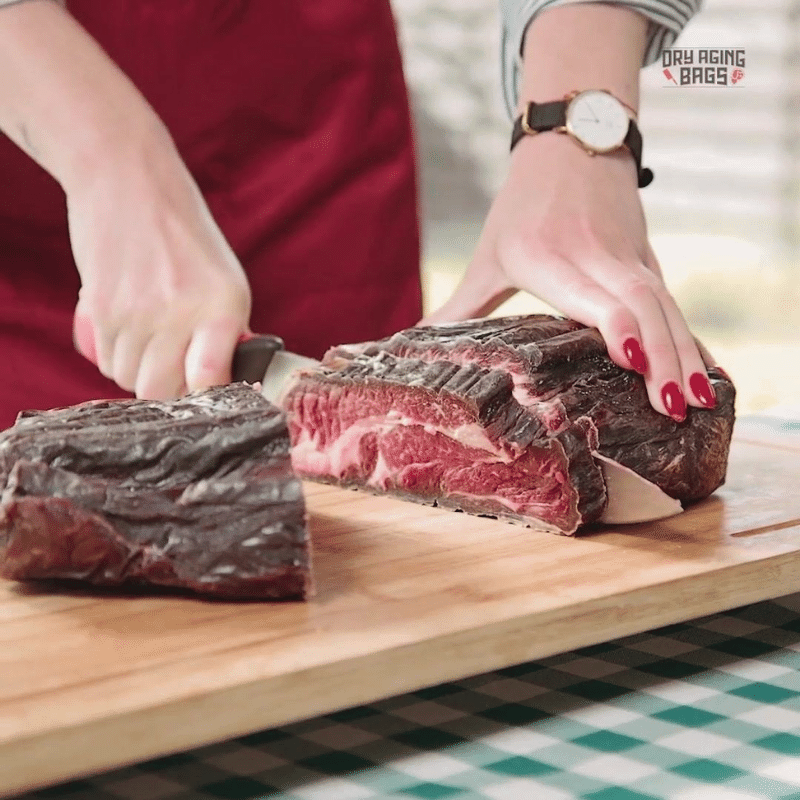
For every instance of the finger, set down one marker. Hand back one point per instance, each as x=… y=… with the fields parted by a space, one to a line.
x=83 y=336
x=579 y=296
x=481 y=291
x=160 y=375
x=632 y=325
x=94 y=340
x=127 y=356
x=209 y=356
x=664 y=378
x=619 y=328
x=697 y=388
x=104 y=350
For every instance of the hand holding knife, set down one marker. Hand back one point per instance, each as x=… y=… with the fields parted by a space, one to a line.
x=257 y=359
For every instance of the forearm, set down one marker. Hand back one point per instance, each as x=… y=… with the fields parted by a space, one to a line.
x=584 y=46
x=62 y=99
x=665 y=21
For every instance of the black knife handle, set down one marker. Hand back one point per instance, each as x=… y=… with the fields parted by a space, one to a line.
x=252 y=357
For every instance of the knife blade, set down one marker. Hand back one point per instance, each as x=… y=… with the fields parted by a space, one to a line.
x=264 y=359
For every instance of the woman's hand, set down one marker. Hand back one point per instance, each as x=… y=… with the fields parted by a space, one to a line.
x=163 y=295
x=569 y=228
x=163 y=298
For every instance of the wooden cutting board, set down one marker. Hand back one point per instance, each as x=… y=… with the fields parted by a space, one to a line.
x=408 y=596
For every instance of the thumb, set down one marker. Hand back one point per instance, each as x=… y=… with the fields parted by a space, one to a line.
x=481 y=290
x=209 y=357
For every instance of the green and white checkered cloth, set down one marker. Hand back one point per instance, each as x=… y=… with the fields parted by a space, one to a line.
x=707 y=710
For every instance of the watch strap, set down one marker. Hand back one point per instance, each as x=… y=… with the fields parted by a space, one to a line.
x=540 y=117
x=633 y=141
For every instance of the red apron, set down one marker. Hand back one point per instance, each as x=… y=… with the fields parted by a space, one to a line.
x=293 y=118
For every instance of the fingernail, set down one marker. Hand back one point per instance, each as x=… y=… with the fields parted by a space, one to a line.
x=723 y=372
x=674 y=401
x=635 y=355
x=699 y=384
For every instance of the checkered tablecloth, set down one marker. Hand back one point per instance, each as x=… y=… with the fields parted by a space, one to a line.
x=707 y=710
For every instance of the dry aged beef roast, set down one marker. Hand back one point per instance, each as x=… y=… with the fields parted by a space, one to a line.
x=197 y=493
x=523 y=418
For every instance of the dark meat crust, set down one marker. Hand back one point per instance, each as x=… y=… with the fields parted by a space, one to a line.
x=563 y=359
x=534 y=381
x=196 y=493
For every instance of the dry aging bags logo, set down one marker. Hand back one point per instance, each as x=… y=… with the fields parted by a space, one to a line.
x=703 y=66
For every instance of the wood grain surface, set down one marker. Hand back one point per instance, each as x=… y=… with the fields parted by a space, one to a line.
x=408 y=596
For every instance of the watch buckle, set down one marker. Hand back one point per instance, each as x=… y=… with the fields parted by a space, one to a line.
x=526 y=126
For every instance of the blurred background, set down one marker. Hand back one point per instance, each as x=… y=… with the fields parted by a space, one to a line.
x=723 y=212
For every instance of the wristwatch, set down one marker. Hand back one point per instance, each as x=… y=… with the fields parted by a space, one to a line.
x=594 y=118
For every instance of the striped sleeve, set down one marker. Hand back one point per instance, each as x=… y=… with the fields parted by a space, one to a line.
x=10 y=2
x=667 y=19
x=14 y=2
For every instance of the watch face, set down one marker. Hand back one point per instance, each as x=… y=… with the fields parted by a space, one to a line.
x=598 y=120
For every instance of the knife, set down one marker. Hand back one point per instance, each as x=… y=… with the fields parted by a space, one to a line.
x=264 y=359
x=257 y=359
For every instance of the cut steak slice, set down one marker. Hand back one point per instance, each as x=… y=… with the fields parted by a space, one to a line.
x=197 y=493
x=507 y=417
x=445 y=434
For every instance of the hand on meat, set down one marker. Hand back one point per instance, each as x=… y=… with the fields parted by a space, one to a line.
x=569 y=228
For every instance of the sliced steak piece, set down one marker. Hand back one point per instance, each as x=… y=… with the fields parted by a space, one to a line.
x=443 y=434
x=197 y=493
x=502 y=417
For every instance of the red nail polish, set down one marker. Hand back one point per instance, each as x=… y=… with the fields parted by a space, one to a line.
x=723 y=372
x=674 y=401
x=699 y=384
x=635 y=355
